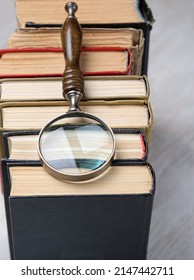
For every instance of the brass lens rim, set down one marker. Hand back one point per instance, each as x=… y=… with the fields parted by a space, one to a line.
x=83 y=177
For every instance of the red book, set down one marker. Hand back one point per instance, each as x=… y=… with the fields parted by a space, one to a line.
x=49 y=62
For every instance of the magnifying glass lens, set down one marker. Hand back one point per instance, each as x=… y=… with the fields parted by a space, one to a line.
x=77 y=144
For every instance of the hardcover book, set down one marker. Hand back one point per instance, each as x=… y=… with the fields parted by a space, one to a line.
x=103 y=219
x=116 y=113
x=99 y=12
x=96 y=88
x=22 y=145
x=92 y=37
x=110 y=13
x=38 y=62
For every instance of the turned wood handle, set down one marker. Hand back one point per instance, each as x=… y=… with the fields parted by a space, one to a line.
x=71 y=36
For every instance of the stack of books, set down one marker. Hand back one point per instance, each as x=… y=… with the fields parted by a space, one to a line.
x=107 y=218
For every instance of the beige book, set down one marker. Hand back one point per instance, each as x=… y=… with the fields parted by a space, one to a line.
x=36 y=116
x=22 y=146
x=99 y=37
x=109 y=11
x=101 y=87
x=117 y=114
x=92 y=37
x=53 y=63
x=35 y=181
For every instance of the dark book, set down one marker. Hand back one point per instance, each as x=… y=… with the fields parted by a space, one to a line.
x=108 y=218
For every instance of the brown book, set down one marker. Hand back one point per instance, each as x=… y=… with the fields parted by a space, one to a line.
x=92 y=37
x=111 y=14
x=50 y=62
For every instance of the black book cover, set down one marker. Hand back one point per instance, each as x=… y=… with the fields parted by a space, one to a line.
x=77 y=226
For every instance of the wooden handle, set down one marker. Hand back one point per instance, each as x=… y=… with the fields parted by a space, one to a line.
x=71 y=36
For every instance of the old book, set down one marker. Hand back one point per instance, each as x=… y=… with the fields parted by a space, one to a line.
x=50 y=62
x=99 y=12
x=98 y=37
x=108 y=218
x=116 y=113
x=22 y=145
x=122 y=14
x=97 y=87
x=92 y=37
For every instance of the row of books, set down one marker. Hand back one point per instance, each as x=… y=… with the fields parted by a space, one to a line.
x=108 y=218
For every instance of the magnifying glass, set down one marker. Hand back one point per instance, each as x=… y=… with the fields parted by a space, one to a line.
x=76 y=146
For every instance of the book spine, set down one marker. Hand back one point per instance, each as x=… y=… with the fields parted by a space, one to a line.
x=146 y=12
x=6 y=181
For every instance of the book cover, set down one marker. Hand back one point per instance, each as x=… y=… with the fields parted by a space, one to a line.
x=51 y=219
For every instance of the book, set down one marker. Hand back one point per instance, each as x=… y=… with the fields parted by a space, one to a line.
x=98 y=37
x=113 y=12
x=92 y=37
x=40 y=62
x=122 y=14
x=22 y=145
x=97 y=87
x=108 y=218
x=116 y=113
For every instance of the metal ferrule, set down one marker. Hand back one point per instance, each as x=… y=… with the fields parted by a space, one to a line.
x=74 y=97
